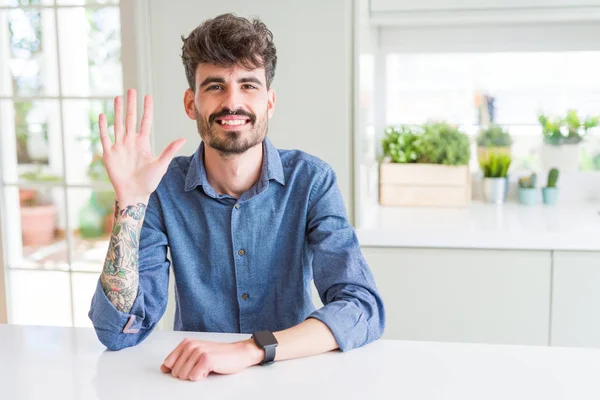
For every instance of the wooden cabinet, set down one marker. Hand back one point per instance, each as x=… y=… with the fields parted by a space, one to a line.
x=480 y=296
x=576 y=299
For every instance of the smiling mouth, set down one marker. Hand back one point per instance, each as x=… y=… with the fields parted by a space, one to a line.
x=233 y=123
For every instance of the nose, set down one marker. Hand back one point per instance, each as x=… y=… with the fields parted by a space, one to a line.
x=232 y=98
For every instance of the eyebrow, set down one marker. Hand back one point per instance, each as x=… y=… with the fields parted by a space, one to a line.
x=218 y=79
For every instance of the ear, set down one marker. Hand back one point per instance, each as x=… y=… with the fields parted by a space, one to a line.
x=188 y=103
x=271 y=103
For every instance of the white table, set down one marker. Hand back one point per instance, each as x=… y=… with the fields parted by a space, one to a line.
x=69 y=363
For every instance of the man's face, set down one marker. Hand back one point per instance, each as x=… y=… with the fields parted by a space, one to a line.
x=231 y=107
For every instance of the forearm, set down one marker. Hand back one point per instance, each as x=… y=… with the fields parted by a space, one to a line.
x=120 y=274
x=309 y=338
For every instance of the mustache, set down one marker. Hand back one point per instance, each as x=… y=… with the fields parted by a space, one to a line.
x=226 y=112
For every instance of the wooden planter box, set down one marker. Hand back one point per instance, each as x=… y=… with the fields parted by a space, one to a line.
x=424 y=185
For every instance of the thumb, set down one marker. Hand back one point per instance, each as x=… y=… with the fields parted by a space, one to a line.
x=172 y=149
x=165 y=369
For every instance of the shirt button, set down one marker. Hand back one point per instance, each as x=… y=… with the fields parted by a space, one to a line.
x=241 y=252
x=245 y=296
x=237 y=205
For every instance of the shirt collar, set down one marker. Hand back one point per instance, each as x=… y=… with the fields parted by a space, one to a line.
x=271 y=168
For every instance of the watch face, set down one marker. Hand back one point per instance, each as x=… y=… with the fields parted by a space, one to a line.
x=265 y=339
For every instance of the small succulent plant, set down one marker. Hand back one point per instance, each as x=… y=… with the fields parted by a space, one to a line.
x=528 y=182
x=552 y=177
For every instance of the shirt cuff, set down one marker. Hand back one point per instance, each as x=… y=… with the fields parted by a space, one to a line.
x=345 y=321
x=105 y=316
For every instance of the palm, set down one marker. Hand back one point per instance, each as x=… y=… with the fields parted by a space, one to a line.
x=132 y=168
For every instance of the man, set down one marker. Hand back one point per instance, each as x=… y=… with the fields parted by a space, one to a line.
x=248 y=226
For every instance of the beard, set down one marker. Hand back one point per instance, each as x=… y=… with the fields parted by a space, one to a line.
x=230 y=143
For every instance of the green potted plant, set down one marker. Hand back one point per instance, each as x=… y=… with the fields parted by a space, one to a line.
x=577 y=129
x=443 y=144
x=562 y=138
x=527 y=189
x=38 y=211
x=550 y=192
x=399 y=145
x=425 y=165
x=493 y=138
x=495 y=177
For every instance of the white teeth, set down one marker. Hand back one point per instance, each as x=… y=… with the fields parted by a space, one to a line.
x=233 y=121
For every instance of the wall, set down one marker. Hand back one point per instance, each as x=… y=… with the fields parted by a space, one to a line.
x=313 y=81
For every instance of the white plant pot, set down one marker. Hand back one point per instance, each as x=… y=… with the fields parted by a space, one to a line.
x=564 y=157
x=495 y=190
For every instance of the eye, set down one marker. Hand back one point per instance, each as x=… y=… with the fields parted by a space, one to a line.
x=248 y=86
x=214 y=87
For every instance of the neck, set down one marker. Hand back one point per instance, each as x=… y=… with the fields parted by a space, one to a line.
x=233 y=175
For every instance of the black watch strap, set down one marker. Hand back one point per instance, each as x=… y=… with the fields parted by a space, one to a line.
x=266 y=341
x=269 y=355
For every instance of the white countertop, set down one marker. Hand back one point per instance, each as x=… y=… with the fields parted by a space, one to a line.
x=484 y=226
x=69 y=363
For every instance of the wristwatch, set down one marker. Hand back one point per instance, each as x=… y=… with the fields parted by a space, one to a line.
x=266 y=341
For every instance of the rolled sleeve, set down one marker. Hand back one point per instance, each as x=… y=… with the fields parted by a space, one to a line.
x=116 y=329
x=353 y=309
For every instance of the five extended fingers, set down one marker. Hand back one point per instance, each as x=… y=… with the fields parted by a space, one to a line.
x=130 y=120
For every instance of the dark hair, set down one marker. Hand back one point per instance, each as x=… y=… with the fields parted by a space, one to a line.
x=229 y=40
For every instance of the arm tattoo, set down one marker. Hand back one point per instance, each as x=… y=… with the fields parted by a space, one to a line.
x=120 y=274
x=136 y=212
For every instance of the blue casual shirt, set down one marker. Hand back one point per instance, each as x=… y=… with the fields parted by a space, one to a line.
x=244 y=265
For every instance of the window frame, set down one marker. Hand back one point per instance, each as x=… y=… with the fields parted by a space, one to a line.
x=134 y=21
x=572 y=29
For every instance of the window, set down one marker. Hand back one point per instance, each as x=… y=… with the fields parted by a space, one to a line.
x=60 y=68
x=446 y=86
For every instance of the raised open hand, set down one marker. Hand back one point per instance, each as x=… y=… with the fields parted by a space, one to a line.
x=132 y=168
